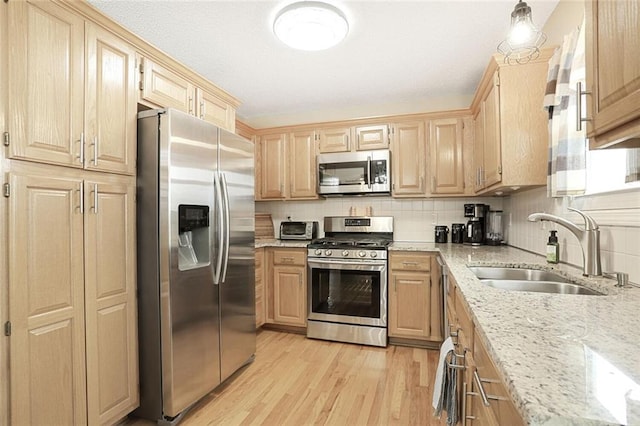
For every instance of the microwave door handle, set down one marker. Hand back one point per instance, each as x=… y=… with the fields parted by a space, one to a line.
x=369 y=172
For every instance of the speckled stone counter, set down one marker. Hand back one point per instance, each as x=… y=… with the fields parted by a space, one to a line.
x=281 y=243
x=566 y=359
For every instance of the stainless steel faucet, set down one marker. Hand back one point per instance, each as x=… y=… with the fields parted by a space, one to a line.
x=589 y=238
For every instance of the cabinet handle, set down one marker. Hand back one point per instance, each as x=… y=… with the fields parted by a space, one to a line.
x=286 y=259
x=421 y=183
x=95 y=198
x=95 y=150
x=579 y=93
x=485 y=397
x=464 y=402
x=433 y=184
x=81 y=192
x=407 y=263
x=81 y=155
x=191 y=105
x=348 y=144
x=202 y=107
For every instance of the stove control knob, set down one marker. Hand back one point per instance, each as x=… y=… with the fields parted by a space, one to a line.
x=345 y=253
x=328 y=252
x=362 y=253
x=318 y=252
x=373 y=254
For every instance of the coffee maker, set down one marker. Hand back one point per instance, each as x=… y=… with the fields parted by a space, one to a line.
x=476 y=226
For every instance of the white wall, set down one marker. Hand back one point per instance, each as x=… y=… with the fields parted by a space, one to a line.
x=619 y=236
x=414 y=220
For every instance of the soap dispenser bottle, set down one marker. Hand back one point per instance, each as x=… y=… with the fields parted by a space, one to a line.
x=553 y=248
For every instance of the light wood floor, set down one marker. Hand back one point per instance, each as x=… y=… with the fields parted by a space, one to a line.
x=299 y=381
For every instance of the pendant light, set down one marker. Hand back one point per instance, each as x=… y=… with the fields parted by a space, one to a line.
x=310 y=25
x=524 y=39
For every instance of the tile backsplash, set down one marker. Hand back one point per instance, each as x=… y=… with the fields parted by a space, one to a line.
x=619 y=244
x=414 y=220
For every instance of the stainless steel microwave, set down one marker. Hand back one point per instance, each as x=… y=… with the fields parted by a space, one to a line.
x=361 y=173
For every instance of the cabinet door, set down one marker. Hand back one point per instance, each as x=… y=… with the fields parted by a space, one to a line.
x=46 y=299
x=613 y=64
x=409 y=303
x=111 y=103
x=302 y=165
x=110 y=294
x=165 y=88
x=478 y=148
x=372 y=137
x=215 y=110
x=289 y=293
x=408 y=159
x=46 y=83
x=272 y=156
x=492 y=157
x=445 y=149
x=334 y=140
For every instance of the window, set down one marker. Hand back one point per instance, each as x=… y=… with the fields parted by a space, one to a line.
x=607 y=169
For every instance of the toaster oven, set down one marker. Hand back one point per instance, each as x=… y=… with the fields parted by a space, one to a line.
x=298 y=230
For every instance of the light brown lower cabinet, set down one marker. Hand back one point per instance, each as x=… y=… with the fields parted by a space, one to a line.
x=72 y=296
x=287 y=286
x=415 y=296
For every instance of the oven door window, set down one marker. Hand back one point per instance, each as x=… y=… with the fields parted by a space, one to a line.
x=356 y=296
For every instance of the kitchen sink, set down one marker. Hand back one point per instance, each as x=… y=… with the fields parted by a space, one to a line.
x=541 y=287
x=520 y=279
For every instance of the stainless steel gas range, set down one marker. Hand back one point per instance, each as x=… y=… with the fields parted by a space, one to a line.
x=347 y=280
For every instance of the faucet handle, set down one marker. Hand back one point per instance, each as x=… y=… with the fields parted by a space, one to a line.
x=621 y=277
x=589 y=223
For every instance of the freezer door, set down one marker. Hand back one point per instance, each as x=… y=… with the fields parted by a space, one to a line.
x=237 y=287
x=189 y=297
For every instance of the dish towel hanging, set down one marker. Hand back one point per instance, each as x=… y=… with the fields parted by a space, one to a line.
x=566 y=172
x=444 y=388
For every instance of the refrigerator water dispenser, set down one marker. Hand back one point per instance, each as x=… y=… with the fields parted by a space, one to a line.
x=193 y=236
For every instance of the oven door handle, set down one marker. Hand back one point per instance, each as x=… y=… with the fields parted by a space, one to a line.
x=337 y=264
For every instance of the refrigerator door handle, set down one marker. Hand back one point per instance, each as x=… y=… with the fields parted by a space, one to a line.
x=217 y=267
x=227 y=226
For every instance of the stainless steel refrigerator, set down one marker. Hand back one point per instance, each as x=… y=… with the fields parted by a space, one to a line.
x=196 y=280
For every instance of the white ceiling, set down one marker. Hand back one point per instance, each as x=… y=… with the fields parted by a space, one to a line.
x=399 y=56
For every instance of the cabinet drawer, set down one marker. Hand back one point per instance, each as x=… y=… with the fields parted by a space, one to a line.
x=499 y=399
x=290 y=257
x=410 y=262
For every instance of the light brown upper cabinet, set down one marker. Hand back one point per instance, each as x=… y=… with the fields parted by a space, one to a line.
x=46 y=83
x=511 y=138
x=334 y=139
x=165 y=88
x=272 y=166
x=372 y=137
x=65 y=108
x=111 y=103
x=613 y=73
x=408 y=159
x=302 y=165
x=286 y=166
x=445 y=155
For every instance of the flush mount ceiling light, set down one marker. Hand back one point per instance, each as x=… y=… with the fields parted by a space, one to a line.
x=524 y=39
x=310 y=25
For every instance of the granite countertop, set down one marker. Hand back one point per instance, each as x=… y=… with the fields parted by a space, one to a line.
x=281 y=243
x=566 y=359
